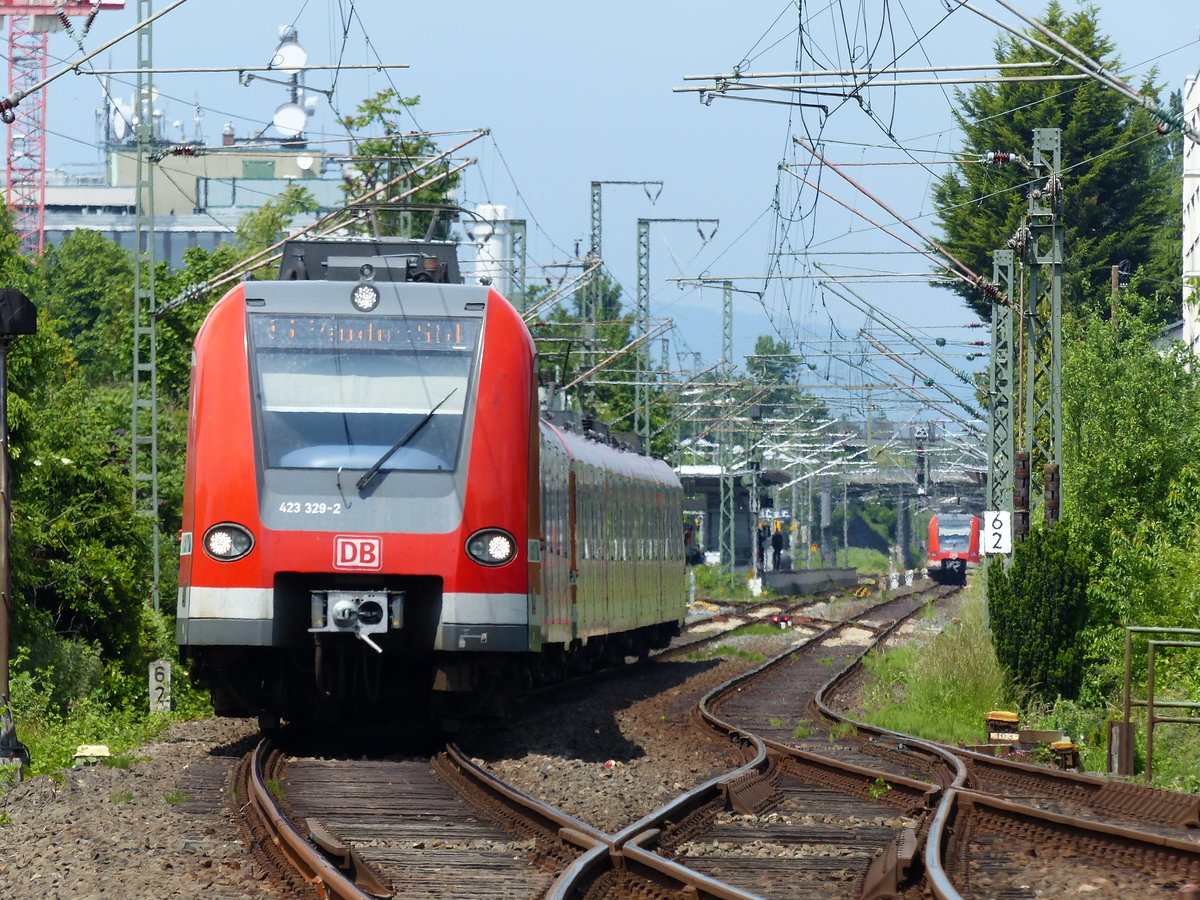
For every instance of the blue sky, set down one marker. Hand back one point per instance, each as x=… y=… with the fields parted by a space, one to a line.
x=581 y=92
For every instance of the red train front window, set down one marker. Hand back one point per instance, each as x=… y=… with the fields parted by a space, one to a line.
x=340 y=391
x=954 y=533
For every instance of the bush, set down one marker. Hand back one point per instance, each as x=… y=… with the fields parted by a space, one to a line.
x=1038 y=608
x=63 y=694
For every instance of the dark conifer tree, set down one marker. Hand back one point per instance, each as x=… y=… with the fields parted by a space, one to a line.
x=1122 y=179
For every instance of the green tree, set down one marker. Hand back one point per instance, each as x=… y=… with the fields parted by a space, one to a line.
x=80 y=554
x=87 y=298
x=382 y=158
x=177 y=328
x=1131 y=438
x=774 y=366
x=1131 y=429
x=1122 y=180
x=271 y=222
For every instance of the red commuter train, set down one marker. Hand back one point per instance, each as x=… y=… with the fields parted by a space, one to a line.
x=377 y=518
x=953 y=542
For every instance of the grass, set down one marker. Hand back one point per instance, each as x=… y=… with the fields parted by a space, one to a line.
x=176 y=797
x=776 y=722
x=839 y=730
x=758 y=628
x=802 y=730
x=122 y=797
x=866 y=560
x=8 y=776
x=726 y=650
x=942 y=689
x=713 y=583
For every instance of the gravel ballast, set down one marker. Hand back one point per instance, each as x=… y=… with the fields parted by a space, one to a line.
x=158 y=828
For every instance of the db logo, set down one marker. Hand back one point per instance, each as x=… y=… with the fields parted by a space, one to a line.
x=353 y=551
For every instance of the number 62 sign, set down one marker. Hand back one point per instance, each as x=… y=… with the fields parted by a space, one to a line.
x=160 y=685
x=997 y=532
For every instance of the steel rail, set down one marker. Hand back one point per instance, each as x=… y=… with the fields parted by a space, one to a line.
x=1156 y=806
x=739 y=789
x=351 y=877
x=959 y=800
x=938 y=836
x=550 y=819
x=628 y=853
x=291 y=844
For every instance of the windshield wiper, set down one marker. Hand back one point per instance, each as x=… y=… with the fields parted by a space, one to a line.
x=374 y=470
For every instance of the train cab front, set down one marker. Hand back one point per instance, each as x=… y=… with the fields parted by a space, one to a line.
x=345 y=537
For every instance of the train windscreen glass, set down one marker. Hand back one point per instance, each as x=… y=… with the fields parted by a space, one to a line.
x=340 y=391
x=954 y=533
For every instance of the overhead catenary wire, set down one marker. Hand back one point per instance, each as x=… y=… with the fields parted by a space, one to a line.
x=879 y=225
x=209 y=70
x=977 y=281
x=869 y=73
x=331 y=222
x=854 y=87
x=562 y=292
x=9 y=103
x=894 y=326
x=632 y=345
x=1077 y=59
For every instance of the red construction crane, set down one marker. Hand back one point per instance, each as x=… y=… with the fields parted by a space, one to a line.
x=28 y=26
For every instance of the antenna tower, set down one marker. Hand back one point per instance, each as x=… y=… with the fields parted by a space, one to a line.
x=28 y=27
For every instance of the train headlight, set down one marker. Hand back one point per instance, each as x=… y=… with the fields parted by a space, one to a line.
x=491 y=547
x=227 y=542
x=365 y=297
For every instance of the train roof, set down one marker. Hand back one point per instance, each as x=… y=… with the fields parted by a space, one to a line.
x=619 y=460
x=389 y=259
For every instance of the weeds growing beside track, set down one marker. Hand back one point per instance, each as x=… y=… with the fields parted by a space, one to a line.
x=939 y=688
x=73 y=698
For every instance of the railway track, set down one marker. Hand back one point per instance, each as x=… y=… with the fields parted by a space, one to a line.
x=433 y=827
x=416 y=819
x=821 y=807
x=863 y=813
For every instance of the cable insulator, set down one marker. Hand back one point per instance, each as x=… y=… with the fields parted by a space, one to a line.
x=1019 y=241
x=1054 y=188
x=87 y=23
x=997 y=157
x=175 y=150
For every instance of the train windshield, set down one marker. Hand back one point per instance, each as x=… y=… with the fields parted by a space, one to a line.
x=954 y=533
x=340 y=391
